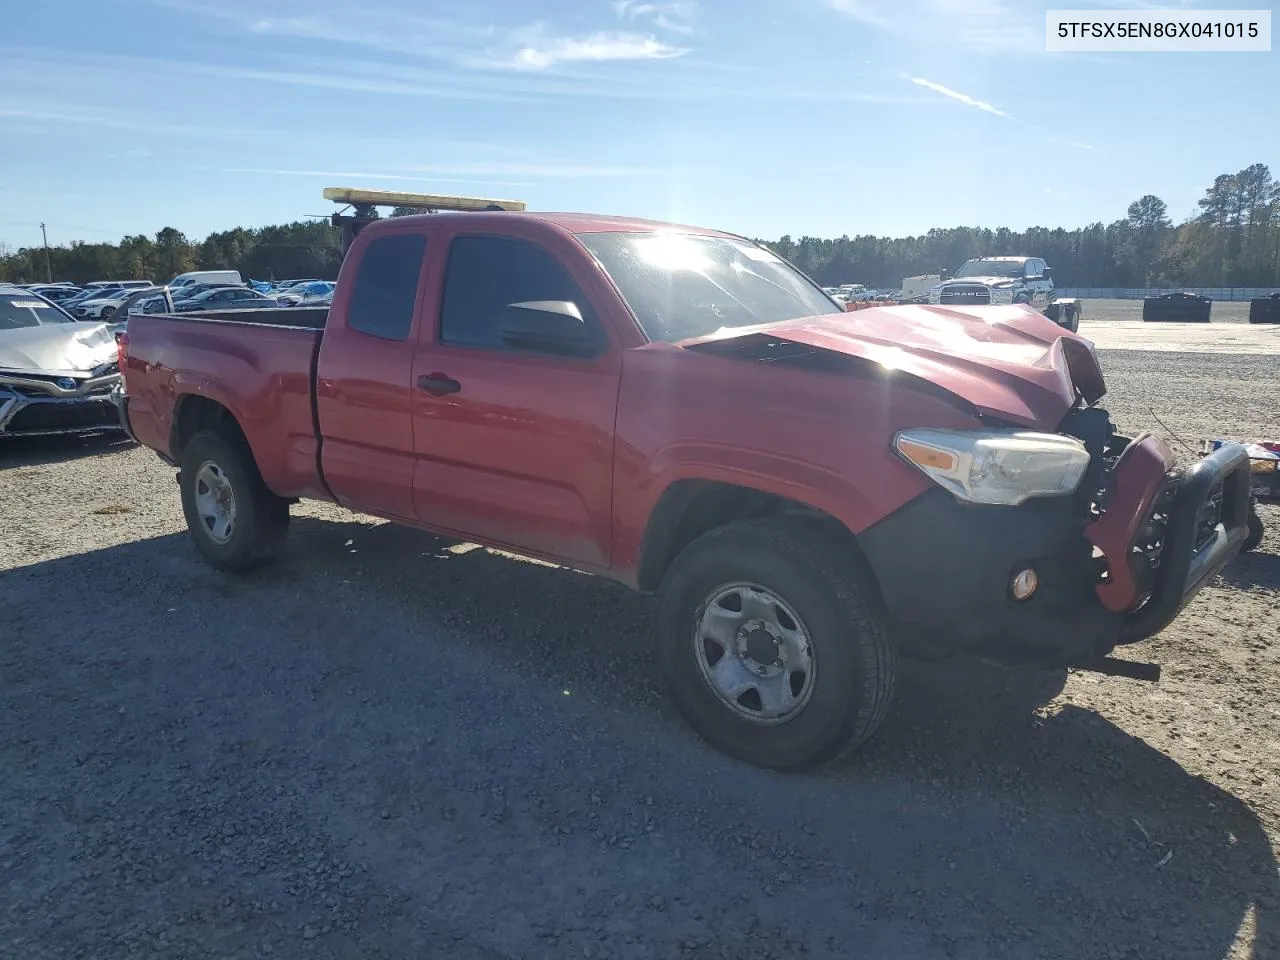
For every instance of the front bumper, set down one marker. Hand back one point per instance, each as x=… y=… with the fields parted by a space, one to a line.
x=40 y=408
x=1206 y=525
x=945 y=567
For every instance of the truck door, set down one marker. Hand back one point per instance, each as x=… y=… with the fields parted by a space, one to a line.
x=515 y=442
x=364 y=373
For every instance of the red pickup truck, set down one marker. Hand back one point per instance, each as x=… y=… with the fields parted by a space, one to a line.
x=808 y=491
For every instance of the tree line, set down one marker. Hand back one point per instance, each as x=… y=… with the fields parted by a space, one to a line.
x=1234 y=241
x=311 y=249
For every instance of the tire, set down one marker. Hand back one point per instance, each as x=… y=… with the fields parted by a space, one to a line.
x=852 y=659
x=1072 y=319
x=259 y=519
x=107 y=313
x=1255 y=532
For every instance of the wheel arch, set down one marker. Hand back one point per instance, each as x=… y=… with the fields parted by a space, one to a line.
x=193 y=413
x=688 y=508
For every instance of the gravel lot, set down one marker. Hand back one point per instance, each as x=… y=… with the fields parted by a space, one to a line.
x=386 y=747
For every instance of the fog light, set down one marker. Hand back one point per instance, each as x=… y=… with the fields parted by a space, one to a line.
x=1024 y=584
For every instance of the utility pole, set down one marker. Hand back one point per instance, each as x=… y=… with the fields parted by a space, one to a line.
x=48 y=267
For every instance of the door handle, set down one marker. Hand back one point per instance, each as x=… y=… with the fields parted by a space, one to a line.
x=437 y=384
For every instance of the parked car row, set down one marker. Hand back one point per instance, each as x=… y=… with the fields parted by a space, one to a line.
x=115 y=300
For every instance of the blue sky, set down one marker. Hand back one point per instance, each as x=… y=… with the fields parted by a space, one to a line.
x=765 y=117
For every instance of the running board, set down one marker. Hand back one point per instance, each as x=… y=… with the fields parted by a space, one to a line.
x=1121 y=668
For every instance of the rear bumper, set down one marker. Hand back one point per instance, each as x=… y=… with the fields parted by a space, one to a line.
x=945 y=567
x=121 y=403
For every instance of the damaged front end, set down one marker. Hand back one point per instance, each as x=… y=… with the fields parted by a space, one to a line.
x=1159 y=533
x=995 y=560
x=58 y=379
x=1110 y=565
x=44 y=405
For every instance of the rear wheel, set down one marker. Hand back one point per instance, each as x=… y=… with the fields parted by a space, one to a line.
x=774 y=646
x=234 y=519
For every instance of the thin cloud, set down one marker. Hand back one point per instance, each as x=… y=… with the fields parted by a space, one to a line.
x=983 y=26
x=548 y=170
x=353 y=175
x=429 y=37
x=461 y=43
x=442 y=90
x=673 y=15
x=691 y=82
x=864 y=11
x=145 y=125
x=960 y=97
x=594 y=48
x=995 y=111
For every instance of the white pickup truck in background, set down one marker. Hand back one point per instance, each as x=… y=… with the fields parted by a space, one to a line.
x=998 y=280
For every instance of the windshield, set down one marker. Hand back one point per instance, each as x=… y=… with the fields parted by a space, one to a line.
x=687 y=285
x=990 y=268
x=28 y=311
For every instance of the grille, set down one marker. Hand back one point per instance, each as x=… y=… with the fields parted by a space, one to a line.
x=24 y=391
x=63 y=416
x=975 y=293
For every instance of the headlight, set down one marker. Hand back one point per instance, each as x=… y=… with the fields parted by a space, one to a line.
x=1002 y=296
x=996 y=467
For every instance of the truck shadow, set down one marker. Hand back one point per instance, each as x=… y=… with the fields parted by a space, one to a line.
x=997 y=827
x=1256 y=569
x=41 y=451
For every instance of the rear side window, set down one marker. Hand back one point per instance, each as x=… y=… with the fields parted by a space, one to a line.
x=387 y=286
x=487 y=273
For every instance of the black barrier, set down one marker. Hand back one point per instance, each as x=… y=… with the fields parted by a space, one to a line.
x=1177 y=308
x=1265 y=309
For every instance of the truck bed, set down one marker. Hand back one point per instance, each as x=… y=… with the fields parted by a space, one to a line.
x=258 y=364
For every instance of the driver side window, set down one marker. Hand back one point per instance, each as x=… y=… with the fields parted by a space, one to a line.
x=485 y=274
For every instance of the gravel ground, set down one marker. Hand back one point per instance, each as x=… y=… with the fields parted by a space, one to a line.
x=384 y=746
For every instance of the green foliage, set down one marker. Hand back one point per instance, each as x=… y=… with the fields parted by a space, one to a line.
x=1233 y=241
x=303 y=249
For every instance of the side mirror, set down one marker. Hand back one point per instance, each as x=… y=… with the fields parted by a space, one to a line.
x=549 y=326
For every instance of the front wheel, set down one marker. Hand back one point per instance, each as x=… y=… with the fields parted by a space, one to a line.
x=234 y=519
x=775 y=648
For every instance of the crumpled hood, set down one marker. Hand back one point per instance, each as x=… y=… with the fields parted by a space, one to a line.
x=60 y=349
x=984 y=281
x=1008 y=361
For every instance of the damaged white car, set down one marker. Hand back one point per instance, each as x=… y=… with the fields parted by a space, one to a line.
x=57 y=374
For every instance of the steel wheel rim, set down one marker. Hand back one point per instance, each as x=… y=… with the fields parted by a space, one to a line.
x=754 y=653
x=215 y=502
